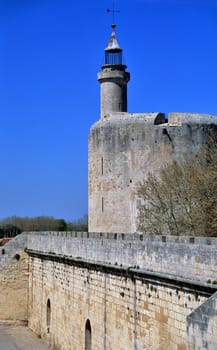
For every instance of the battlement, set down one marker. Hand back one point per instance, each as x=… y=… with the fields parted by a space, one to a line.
x=189 y=257
x=191 y=118
x=118 y=237
x=158 y=118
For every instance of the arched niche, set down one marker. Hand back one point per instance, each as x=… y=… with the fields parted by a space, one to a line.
x=88 y=335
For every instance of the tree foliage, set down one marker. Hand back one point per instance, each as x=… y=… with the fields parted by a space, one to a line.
x=80 y=224
x=11 y=226
x=183 y=200
x=9 y=230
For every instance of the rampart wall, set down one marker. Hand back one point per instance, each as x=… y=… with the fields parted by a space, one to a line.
x=14 y=278
x=113 y=291
x=14 y=291
x=187 y=257
x=202 y=326
x=124 y=308
x=8 y=251
x=133 y=292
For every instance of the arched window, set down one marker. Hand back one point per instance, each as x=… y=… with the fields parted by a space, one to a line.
x=48 y=315
x=87 y=335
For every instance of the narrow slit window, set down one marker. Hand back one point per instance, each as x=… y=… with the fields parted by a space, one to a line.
x=48 y=315
x=102 y=204
x=102 y=166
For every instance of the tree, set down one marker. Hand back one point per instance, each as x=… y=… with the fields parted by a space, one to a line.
x=79 y=225
x=9 y=230
x=61 y=225
x=39 y=223
x=14 y=225
x=183 y=200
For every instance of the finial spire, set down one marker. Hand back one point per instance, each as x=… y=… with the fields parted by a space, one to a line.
x=113 y=44
x=113 y=11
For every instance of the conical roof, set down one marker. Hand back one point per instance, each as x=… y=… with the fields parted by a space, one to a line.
x=113 y=44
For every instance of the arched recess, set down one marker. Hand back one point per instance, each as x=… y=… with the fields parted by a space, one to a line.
x=87 y=335
x=48 y=315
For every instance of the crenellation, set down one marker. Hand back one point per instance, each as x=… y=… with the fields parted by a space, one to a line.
x=191 y=260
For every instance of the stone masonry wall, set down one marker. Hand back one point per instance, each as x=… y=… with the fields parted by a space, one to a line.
x=14 y=280
x=187 y=257
x=14 y=289
x=17 y=244
x=202 y=326
x=126 y=309
x=124 y=149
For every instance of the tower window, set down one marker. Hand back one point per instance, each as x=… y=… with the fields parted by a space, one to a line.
x=102 y=165
x=102 y=204
x=113 y=58
x=48 y=315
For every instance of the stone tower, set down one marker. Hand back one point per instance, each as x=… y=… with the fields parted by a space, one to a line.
x=125 y=147
x=113 y=78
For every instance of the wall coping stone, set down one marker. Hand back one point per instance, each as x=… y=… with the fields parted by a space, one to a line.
x=128 y=237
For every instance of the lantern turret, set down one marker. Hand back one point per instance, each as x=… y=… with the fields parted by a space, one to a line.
x=113 y=78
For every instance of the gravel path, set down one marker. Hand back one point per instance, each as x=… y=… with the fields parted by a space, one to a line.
x=20 y=338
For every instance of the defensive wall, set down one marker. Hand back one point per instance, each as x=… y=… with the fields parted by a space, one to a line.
x=124 y=309
x=113 y=291
x=119 y=291
x=188 y=257
x=14 y=279
x=201 y=326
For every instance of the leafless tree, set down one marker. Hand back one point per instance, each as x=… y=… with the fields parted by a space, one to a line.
x=183 y=200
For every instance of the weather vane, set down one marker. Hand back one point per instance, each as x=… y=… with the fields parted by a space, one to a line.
x=113 y=11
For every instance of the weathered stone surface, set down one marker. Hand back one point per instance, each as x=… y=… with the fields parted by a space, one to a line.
x=123 y=149
x=94 y=277
x=14 y=289
x=187 y=257
x=125 y=312
x=113 y=91
x=7 y=252
x=127 y=308
x=202 y=326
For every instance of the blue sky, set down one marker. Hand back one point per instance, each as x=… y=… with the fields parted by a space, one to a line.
x=50 y=53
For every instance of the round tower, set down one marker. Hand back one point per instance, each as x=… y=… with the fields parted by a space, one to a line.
x=123 y=148
x=113 y=79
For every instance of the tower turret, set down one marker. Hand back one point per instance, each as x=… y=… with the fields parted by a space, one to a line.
x=113 y=78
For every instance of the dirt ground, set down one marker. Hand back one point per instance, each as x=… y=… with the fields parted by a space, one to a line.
x=20 y=338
